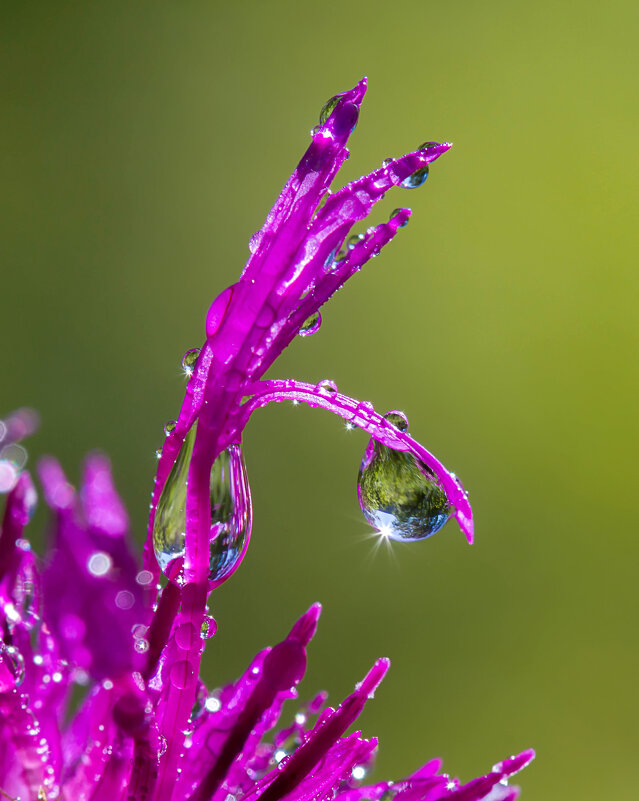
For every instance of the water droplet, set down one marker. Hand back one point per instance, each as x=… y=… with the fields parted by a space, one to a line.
x=394 y=213
x=311 y=325
x=387 y=161
x=182 y=674
x=326 y=386
x=416 y=179
x=158 y=453
x=428 y=145
x=358 y=773
x=170 y=515
x=328 y=108
x=162 y=745
x=315 y=130
x=330 y=259
x=397 y=419
x=189 y=359
x=231 y=513
x=209 y=627
x=169 y=427
x=341 y=255
x=399 y=495
x=353 y=240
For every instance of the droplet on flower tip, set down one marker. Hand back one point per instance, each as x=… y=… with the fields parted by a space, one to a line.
x=328 y=108
x=311 y=325
x=169 y=427
x=326 y=386
x=395 y=213
x=397 y=419
x=417 y=179
x=399 y=495
x=189 y=359
x=428 y=145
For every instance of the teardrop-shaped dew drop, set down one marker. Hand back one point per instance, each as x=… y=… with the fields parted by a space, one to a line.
x=169 y=427
x=394 y=213
x=397 y=419
x=417 y=179
x=399 y=495
x=341 y=255
x=231 y=514
x=328 y=108
x=353 y=240
x=189 y=359
x=170 y=516
x=311 y=325
x=326 y=386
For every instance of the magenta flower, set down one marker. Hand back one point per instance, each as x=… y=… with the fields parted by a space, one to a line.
x=147 y=728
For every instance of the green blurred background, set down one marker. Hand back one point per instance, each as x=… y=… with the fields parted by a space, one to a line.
x=141 y=146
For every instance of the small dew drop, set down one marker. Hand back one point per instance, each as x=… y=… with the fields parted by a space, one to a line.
x=162 y=745
x=428 y=145
x=326 y=387
x=417 y=179
x=141 y=645
x=386 y=162
x=169 y=427
x=186 y=636
x=353 y=240
x=397 y=419
x=209 y=627
x=394 y=214
x=189 y=359
x=328 y=108
x=311 y=325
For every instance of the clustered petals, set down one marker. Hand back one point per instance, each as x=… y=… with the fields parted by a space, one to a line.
x=88 y=620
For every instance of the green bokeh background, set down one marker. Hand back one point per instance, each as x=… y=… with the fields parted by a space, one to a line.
x=142 y=144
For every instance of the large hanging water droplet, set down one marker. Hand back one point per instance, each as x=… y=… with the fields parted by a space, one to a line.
x=170 y=516
x=416 y=179
x=311 y=325
x=399 y=495
x=231 y=514
x=397 y=419
x=328 y=108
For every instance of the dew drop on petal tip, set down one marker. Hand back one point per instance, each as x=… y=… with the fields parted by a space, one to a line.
x=395 y=213
x=428 y=145
x=399 y=495
x=311 y=325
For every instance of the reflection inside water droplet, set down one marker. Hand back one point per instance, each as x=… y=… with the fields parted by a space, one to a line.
x=311 y=325
x=417 y=179
x=328 y=108
x=326 y=387
x=399 y=495
x=231 y=513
